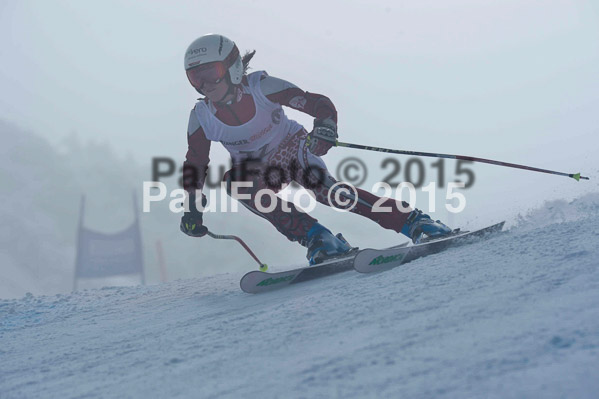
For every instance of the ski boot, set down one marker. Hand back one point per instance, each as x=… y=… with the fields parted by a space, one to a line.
x=418 y=224
x=322 y=244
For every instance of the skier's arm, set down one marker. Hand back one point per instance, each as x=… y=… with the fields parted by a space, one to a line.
x=197 y=158
x=194 y=176
x=285 y=93
x=324 y=135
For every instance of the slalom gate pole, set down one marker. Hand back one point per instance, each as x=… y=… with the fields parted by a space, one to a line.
x=575 y=176
x=263 y=266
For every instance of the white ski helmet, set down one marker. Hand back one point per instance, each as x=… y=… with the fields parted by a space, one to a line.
x=213 y=48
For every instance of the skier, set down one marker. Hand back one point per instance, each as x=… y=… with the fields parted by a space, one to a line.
x=244 y=112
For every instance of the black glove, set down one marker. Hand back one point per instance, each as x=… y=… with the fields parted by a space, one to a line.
x=322 y=137
x=192 y=221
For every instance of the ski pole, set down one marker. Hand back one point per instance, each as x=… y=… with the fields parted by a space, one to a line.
x=263 y=266
x=575 y=176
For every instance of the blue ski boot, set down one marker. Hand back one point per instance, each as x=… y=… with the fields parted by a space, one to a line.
x=322 y=244
x=419 y=224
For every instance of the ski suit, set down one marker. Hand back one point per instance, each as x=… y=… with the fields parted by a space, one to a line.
x=269 y=150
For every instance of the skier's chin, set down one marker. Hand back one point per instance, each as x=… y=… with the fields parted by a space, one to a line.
x=217 y=92
x=216 y=95
x=212 y=94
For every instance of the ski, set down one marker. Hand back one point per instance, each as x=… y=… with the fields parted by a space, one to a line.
x=375 y=260
x=256 y=281
x=364 y=261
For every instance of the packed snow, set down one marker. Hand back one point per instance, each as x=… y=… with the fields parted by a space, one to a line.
x=513 y=316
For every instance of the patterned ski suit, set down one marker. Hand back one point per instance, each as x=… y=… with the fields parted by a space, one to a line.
x=268 y=150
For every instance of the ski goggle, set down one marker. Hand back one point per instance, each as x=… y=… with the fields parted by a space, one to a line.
x=212 y=72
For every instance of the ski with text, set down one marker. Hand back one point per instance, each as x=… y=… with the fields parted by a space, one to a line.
x=376 y=260
x=364 y=261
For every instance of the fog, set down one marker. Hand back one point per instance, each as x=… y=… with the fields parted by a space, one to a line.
x=92 y=91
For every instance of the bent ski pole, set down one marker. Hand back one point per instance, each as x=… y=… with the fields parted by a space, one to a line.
x=263 y=266
x=575 y=176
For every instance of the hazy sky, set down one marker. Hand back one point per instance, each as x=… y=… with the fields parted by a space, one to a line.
x=513 y=80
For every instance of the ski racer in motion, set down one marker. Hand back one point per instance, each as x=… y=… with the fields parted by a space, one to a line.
x=244 y=113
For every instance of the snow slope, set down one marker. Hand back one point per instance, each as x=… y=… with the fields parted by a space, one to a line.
x=514 y=316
